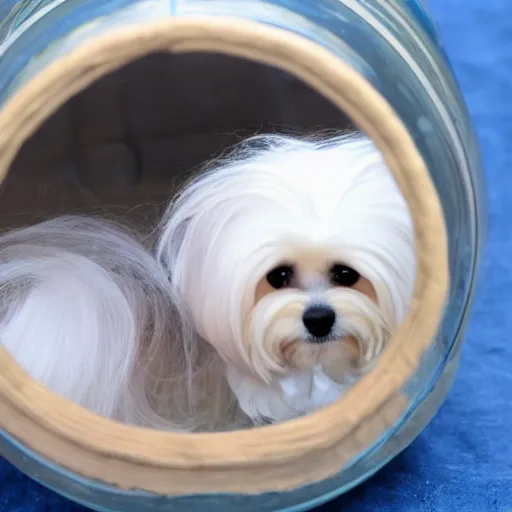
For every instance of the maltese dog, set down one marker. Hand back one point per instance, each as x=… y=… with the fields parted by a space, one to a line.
x=278 y=277
x=295 y=260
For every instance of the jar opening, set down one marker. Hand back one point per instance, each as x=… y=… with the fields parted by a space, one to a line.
x=258 y=460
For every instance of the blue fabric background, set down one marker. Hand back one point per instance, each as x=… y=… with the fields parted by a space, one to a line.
x=463 y=459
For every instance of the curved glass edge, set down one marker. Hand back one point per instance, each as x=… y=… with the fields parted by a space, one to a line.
x=420 y=11
x=104 y=498
x=62 y=26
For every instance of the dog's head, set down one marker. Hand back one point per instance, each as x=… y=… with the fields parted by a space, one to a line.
x=292 y=255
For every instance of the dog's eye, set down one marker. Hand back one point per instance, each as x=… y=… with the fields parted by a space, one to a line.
x=341 y=275
x=280 y=277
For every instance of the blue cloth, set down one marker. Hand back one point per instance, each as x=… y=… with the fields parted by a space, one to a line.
x=463 y=459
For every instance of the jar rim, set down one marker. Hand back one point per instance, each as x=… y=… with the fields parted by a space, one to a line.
x=266 y=458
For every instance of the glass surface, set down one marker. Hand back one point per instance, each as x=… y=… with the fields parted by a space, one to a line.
x=394 y=45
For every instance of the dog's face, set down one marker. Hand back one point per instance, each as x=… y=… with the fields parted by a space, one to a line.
x=297 y=257
x=312 y=309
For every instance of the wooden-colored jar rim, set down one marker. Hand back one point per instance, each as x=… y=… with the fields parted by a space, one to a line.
x=271 y=458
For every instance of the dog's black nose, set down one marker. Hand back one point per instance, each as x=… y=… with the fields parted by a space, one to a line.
x=319 y=320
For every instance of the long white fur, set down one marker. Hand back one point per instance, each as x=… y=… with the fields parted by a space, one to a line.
x=246 y=214
x=171 y=341
x=86 y=310
x=77 y=294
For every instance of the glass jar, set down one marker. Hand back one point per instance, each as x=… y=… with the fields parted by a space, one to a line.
x=395 y=47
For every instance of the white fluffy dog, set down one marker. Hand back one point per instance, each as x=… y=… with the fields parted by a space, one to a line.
x=280 y=273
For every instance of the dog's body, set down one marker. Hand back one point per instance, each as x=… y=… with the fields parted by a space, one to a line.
x=279 y=275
